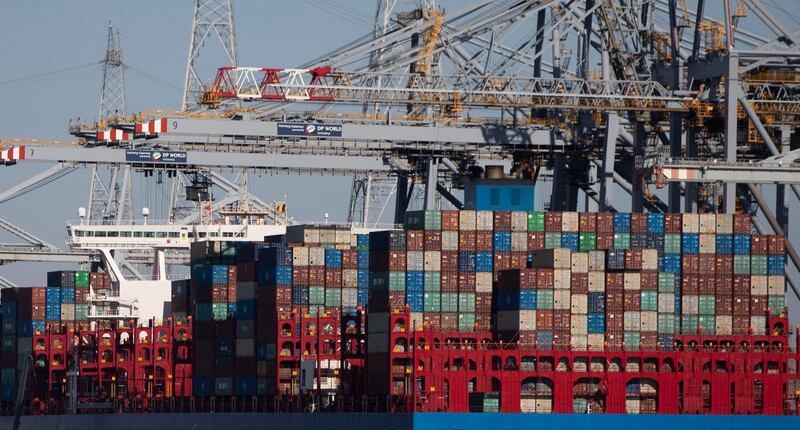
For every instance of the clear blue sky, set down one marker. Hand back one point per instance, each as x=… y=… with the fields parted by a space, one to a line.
x=41 y=37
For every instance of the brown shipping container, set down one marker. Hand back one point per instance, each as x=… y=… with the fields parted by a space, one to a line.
x=316 y=275
x=502 y=261
x=759 y=244
x=544 y=279
x=724 y=305
x=707 y=264
x=219 y=293
x=614 y=341
x=633 y=301
x=397 y=301
x=552 y=221
x=502 y=221
x=724 y=285
x=333 y=278
x=579 y=283
x=431 y=319
x=449 y=321
x=777 y=244
x=519 y=259
x=741 y=324
x=246 y=271
x=535 y=241
x=449 y=282
x=466 y=282
x=397 y=261
x=483 y=303
x=690 y=284
x=587 y=222
x=415 y=240
x=741 y=224
x=758 y=305
x=638 y=222
x=466 y=241
x=741 y=285
x=484 y=240
x=38 y=295
x=544 y=319
x=527 y=279
x=450 y=220
x=300 y=275
x=433 y=240
x=615 y=281
x=483 y=321
x=633 y=259
x=605 y=222
x=449 y=261
x=673 y=223
x=649 y=280
x=723 y=263
x=706 y=284
x=605 y=240
x=349 y=259
x=691 y=264
x=615 y=301
x=649 y=342
x=561 y=319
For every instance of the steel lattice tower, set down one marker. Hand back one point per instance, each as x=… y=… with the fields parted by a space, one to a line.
x=211 y=17
x=112 y=95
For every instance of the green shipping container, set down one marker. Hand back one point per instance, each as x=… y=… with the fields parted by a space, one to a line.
x=544 y=299
x=706 y=305
x=432 y=302
x=466 y=322
x=219 y=311
x=432 y=281
x=552 y=240
x=741 y=264
x=776 y=304
x=535 y=221
x=203 y=312
x=622 y=240
x=81 y=278
x=333 y=297
x=588 y=242
x=449 y=302
x=708 y=324
x=397 y=281
x=631 y=340
x=424 y=220
x=689 y=324
x=316 y=295
x=758 y=264
x=466 y=302
x=649 y=300
x=666 y=323
x=314 y=310
x=666 y=282
x=81 y=312
x=672 y=243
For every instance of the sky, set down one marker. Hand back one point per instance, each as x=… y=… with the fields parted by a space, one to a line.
x=50 y=53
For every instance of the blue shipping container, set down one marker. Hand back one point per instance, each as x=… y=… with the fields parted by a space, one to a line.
x=466 y=261
x=67 y=295
x=527 y=300
x=597 y=302
x=502 y=241
x=362 y=240
x=570 y=240
x=776 y=264
x=597 y=323
x=9 y=310
x=24 y=328
x=363 y=278
x=416 y=301
x=246 y=309
x=38 y=326
x=655 y=223
x=724 y=244
x=615 y=259
x=219 y=274
x=672 y=263
x=415 y=282
x=363 y=297
x=300 y=295
x=741 y=244
x=507 y=300
x=622 y=222
x=202 y=386
x=283 y=275
x=245 y=385
x=690 y=243
x=363 y=259
x=484 y=261
x=333 y=258
x=53 y=295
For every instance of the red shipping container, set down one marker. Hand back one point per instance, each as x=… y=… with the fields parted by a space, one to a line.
x=615 y=281
x=741 y=224
x=741 y=307
x=316 y=275
x=587 y=222
x=777 y=245
x=484 y=240
x=433 y=240
x=466 y=282
x=707 y=284
x=449 y=261
x=544 y=319
x=759 y=244
x=449 y=282
x=502 y=221
x=519 y=259
x=605 y=222
x=397 y=261
x=483 y=303
x=415 y=240
x=690 y=284
x=232 y=294
x=431 y=319
x=579 y=283
x=535 y=241
x=449 y=321
x=466 y=241
x=724 y=285
x=673 y=223
x=561 y=320
x=219 y=293
x=758 y=305
x=605 y=240
x=39 y=296
x=502 y=261
x=741 y=324
x=638 y=222
x=633 y=259
x=38 y=312
x=691 y=264
x=527 y=279
x=723 y=264
x=283 y=295
x=246 y=271
x=741 y=285
x=615 y=301
x=723 y=305
x=544 y=279
x=450 y=220
x=232 y=275
x=633 y=301
x=349 y=259
x=333 y=278
x=552 y=222
x=707 y=264
x=300 y=275
x=649 y=280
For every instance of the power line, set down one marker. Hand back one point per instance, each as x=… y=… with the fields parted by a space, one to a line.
x=153 y=77
x=48 y=74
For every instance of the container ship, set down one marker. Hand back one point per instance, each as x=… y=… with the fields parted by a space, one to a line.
x=557 y=313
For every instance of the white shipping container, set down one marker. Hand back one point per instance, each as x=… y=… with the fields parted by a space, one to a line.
x=569 y=221
x=327 y=235
x=562 y=279
x=519 y=241
x=724 y=325
x=691 y=223
x=708 y=243
x=666 y=303
x=343 y=236
x=433 y=261
x=633 y=281
x=578 y=342
x=349 y=278
x=632 y=406
x=724 y=223
x=776 y=285
x=649 y=321
x=580 y=262
x=483 y=282
x=519 y=221
x=647 y=387
x=449 y=240
x=690 y=304
x=527 y=320
x=759 y=285
x=417 y=320
x=562 y=258
x=597 y=260
x=300 y=256
x=649 y=259
x=561 y=299
x=484 y=220
x=350 y=297
x=579 y=304
x=595 y=341
x=597 y=282
x=415 y=261
x=316 y=256
x=467 y=220
x=579 y=324
x=633 y=320
x=759 y=325
x=707 y=223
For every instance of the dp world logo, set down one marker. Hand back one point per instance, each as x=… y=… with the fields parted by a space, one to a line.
x=311 y=129
x=156 y=156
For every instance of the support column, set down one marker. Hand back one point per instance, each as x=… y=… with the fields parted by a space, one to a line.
x=558 y=196
x=606 y=175
x=430 y=184
x=690 y=193
x=639 y=141
x=400 y=201
x=732 y=97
